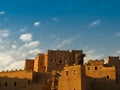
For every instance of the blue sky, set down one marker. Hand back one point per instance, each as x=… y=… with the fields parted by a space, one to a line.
x=31 y=26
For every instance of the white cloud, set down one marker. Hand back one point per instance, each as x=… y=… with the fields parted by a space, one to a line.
x=15 y=65
x=5 y=58
x=34 y=51
x=36 y=24
x=62 y=43
x=14 y=58
x=12 y=55
x=55 y=19
x=92 y=54
x=118 y=52
x=1 y=47
x=54 y=36
x=32 y=44
x=4 y=33
x=91 y=51
x=95 y=23
x=117 y=34
x=9 y=59
x=13 y=46
x=2 y=12
x=23 y=29
x=26 y=37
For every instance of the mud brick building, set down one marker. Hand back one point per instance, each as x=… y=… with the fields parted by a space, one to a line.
x=63 y=70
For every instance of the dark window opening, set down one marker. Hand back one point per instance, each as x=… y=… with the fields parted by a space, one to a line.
x=6 y=84
x=42 y=81
x=107 y=76
x=28 y=81
x=15 y=84
x=41 y=64
x=95 y=68
x=30 y=68
x=51 y=60
x=73 y=62
x=74 y=89
x=75 y=72
x=88 y=68
x=94 y=79
x=60 y=61
x=67 y=73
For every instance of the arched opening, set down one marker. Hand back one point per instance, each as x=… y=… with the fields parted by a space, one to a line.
x=60 y=61
x=107 y=76
x=96 y=68
x=6 y=84
x=28 y=81
x=15 y=84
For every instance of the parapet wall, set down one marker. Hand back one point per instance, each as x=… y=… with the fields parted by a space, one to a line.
x=21 y=74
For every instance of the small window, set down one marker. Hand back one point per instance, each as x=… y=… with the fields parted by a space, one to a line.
x=107 y=76
x=88 y=68
x=94 y=79
x=67 y=73
x=74 y=89
x=74 y=72
x=28 y=81
x=6 y=84
x=51 y=60
x=15 y=84
x=30 y=68
x=42 y=81
x=95 y=68
x=40 y=64
x=60 y=61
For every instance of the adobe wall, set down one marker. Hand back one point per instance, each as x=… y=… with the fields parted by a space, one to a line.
x=105 y=86
x=36 y=87
x=57 y=59
x=116 y=62
x=21 y=74
x=52 y=60
x=72 y=78
x=95 y=62
x=43 y=78
x=23 y=85
x=97 y=72
x=31 y=87
x=100 y=73
x=12 y=83
x=29 y=65
x=39 y=63
x=92 y=76
x=46 y=61
x=24 y=80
